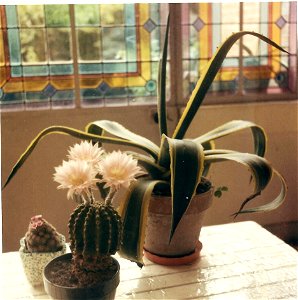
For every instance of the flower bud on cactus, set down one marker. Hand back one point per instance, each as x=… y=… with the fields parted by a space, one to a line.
x=95 y=232
x=42 y=236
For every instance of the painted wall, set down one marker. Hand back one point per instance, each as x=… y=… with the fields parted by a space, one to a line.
x=33 y=191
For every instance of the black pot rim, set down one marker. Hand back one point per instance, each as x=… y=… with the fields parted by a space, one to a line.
x=68 y=256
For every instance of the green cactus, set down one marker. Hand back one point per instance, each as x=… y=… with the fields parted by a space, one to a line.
x=42 y=236
x=95 y=232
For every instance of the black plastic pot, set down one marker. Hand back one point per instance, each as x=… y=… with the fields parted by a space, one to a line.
x=104 y=290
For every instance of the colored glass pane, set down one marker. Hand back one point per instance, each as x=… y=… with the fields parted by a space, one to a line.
x=33 y=46
x=63 y=69
x=2 y=61
x=251 y=12
x=29 y=17
x=112 y=14
x=57 y=15
x=59 y=38
x=11 y=16
x=113 y=43
x=89 y=43
x=14 y=47
x=86 y=15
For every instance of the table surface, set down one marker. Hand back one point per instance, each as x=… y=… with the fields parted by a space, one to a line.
x=238 y=261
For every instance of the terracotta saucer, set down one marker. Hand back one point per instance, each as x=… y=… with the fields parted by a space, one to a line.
x=175 y=261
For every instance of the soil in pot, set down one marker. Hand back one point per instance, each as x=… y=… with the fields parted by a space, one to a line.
x=63 y=280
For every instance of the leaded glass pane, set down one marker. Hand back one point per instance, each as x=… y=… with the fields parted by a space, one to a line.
x=57 y=15
x=36 y=49
x=264 y=68
x=86 y=15
x=33 y=46
x=112 y=14
x=59 y=38
x=89 y=44
x=29 y=17
x=118 y=53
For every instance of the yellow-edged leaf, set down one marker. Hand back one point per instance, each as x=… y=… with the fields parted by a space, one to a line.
x=134 y=211
x=207 y=78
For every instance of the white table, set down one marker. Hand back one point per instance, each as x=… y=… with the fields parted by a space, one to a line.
x=238 y=261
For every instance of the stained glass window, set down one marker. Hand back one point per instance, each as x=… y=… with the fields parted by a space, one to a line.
x=109 y=53
x=263 y=68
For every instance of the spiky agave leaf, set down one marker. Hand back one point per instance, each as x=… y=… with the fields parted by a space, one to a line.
x=77 y=134
x=134 y=211
x=261 y=172
x=258 y=133
x=207 y=78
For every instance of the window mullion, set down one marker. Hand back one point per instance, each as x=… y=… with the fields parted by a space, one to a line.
x=176 y=69
x=240 y=81
x=75 y=57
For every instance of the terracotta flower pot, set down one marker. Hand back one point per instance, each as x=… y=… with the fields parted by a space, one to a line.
x=33 y=263
x=103 y=290
x=185 y=246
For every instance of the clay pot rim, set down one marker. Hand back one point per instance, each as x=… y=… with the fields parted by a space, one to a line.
x=175 y=260
x=198 y=194
x=68 y=256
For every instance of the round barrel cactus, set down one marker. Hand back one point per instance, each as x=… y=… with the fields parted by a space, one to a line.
x=95 y=232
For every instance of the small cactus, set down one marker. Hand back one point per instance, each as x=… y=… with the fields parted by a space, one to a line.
x=42 y=236
x=95 y=232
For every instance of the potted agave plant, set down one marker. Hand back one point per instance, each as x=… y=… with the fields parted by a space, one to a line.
x=177 y=165
x=95 y=227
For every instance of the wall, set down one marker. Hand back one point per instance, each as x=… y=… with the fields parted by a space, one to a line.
x=33 y=191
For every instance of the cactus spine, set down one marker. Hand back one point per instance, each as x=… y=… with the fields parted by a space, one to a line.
x=95 y=232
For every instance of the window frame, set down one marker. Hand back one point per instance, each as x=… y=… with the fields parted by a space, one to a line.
x=175 y=97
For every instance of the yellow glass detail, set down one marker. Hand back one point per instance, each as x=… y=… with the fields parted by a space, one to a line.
x=91 y=83
x=203 y=33
x=276 y=34
x=143 y=13
x=13 y=87
x=2 y=76
x=116 y=81
x=203 y=12
x=2 y=58
x=35 y=86
x=62 y=84
x=136 y=81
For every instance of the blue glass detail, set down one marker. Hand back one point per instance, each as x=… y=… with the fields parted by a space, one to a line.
x=90 y=68
x=12 y=98
x=66 y=69
x=103 y=87
x=91 y=94
x=132 y=67
x=49 y=90
x=198 y=24
x=36 y=70
x=131 y=45
x=151 y=86
x=11 y=16
x=130 y=14
x=64 y=95
x=114 y=68
x=36 y=97
x=16 y=71
x=14 y=47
